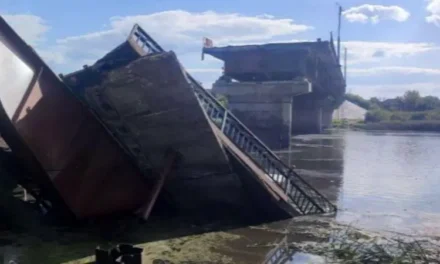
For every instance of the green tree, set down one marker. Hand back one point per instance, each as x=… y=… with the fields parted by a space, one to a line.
x=429 y=103
x=377 y=115
x=395 y=104
x=411 y=100
x=375 y=102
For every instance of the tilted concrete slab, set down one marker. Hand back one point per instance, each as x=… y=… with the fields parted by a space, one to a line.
x=153 y=99
x=158 y=106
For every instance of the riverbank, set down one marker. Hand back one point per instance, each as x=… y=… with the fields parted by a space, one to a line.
x=420 y=126
x=312 y=239
x=345 y=166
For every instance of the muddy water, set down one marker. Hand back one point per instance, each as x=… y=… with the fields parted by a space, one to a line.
x=385 y=184
x=380 y=182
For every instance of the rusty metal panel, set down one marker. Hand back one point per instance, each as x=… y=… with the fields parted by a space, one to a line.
x=84 y=164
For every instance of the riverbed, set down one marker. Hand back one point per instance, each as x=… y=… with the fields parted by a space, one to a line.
x=384 y=183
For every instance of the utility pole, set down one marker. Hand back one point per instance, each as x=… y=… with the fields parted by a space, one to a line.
x=345 y=65
x=339 y=31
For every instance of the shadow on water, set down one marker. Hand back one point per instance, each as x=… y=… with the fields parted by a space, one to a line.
x=77 y=244
x=380 y=182
x=216 y=240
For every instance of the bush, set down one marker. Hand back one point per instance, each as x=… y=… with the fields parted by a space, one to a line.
x=424 y=125
x=377 y=115
x=398 y=117
x=419 y=116
x=434 y=115
x=340 y=123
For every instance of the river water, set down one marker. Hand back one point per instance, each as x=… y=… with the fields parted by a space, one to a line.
x=379 y=180
x=382 y=182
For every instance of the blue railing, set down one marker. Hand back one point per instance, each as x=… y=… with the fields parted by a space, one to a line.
x=303 y=197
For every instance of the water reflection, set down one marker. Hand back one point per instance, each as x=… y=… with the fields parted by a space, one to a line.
x=280 y=254
x=381 y=181
x=320 y=159
x=283 y=254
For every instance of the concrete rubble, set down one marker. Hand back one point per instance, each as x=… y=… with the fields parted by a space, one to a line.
x=131 y=134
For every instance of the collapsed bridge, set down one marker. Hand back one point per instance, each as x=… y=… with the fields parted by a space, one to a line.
x=135 y=131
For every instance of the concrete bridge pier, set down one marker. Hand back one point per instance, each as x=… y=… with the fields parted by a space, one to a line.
x=265 y=107
x=310 y=114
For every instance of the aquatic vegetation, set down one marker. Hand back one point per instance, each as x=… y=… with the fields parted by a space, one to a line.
x=351 y=246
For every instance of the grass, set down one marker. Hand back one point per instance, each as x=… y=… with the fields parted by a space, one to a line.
x=344 y=123
x=352 y=247
x=426 y=125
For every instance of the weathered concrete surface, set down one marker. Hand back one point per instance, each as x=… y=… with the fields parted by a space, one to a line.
x=265 y=108
x=306 y=115
x=311 y=114
x=315 y=61
x=280 y=62
x=154 y=99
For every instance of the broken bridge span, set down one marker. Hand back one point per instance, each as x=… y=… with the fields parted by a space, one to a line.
x=142 y=103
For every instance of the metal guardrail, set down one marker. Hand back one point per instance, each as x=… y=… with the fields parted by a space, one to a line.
x=304 y=197
x=281 y=254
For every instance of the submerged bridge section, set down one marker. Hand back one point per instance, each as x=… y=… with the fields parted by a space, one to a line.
x=281 y=89
x=106 y=139
x=159 y=96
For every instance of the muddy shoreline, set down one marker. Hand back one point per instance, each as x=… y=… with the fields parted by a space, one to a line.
x=359 y=171
x=306 y=238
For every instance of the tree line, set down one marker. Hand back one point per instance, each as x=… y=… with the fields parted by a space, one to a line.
x=409 y=107
x=411 y=101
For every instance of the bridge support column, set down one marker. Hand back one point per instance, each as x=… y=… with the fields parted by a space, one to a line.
x=306 y=115
x=310 y=114
x=327 y=116
x=265 y=108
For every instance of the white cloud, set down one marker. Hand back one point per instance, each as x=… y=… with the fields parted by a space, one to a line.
x=434 y=12
x=31 y=28
x=176 y=30
x=393 y=90
x=368 y=51
x=182 y=31
x=393 y=70
x=375 y=13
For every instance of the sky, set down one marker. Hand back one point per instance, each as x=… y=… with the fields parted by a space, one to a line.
x=393 y=45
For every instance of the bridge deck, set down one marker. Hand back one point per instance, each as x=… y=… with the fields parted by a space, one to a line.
x=141 y=98
x=161 y=81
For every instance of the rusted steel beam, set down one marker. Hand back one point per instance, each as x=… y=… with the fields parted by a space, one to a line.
x=171 y=158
